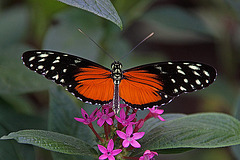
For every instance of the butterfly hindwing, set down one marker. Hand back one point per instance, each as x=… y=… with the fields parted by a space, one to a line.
x=159 y=83
x=85 y=79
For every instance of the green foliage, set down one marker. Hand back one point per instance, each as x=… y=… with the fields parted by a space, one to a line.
x=25 y=112
x=102 y=8
x=205 y=130
x=52 y=141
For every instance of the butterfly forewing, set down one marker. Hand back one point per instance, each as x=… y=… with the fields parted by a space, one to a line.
x=140 y=87
x=159 y=83
x=87 y=80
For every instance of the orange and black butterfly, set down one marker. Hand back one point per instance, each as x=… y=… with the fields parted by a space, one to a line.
x=140 y=87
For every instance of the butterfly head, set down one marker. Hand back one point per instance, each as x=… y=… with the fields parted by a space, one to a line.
x=116 y=65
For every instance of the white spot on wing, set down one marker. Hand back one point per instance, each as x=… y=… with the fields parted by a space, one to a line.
x=180 y=71
x=55 y=77
x=175 y=90
x=194 y=67
x=196 y=73
x=56 y=61
x=43 y=55
x=182 y=88
x=64 y=70
x=178 y=67
x=198 y=82
x=52 y=68
x=40 y=67
x=170 y=63
x=58 y=57
x=173 y=80
x=77 y=61
x=185 y=80
x=31 y=65
x=206 y=73
x=41 y=60
x=31 y=58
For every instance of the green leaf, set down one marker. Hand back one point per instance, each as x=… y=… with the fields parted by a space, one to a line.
x=154 y=122
x=102 y=8
x=206 y=130
x=52 y=141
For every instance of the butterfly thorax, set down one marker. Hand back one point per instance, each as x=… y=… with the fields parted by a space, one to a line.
x=116 y=72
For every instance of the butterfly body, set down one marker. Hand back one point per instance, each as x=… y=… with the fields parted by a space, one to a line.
x=140 y=87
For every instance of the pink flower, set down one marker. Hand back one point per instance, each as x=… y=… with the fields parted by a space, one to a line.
x=87 y=119
x=156 y=113
x=105 y=116
x=148 y=155
x=125 y=119
x=108 y=152
x=130 y=137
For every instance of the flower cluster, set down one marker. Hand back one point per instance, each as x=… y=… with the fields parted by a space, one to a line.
x=121 y=131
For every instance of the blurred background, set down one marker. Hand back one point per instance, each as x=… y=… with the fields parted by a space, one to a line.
x=206 y=31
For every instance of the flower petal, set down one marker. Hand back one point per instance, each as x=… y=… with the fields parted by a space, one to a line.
x=131 y=117
x=102 y=148
x=125 y=143
x=111 y=114
x=110 y=157
x=129 y=130
x=159 y=111
x=116 y=151
x=103 y=156
x=84 y=113
x=160 y=118
x=122 y=114
x=109 y=121
x=141 y=158
x=118 y=119
x=110 y=145
x=100 y=122
x=135 y=144
x=79 y=119
x=138 y=135
x=121 y=134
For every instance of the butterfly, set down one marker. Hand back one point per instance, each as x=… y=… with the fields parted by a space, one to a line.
x=140 y=87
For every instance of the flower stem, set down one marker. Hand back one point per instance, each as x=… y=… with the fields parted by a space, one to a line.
x=94 y=131
x=148 y=116
x=106 y=130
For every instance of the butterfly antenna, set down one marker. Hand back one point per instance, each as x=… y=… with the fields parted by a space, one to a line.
x=150 y=35
x=96 y=44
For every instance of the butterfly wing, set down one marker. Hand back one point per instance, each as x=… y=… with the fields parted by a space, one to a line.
x=87 y=80
x=158 y=83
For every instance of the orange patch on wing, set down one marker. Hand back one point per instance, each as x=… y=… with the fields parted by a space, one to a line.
x=139 y=87
x=95 y=83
